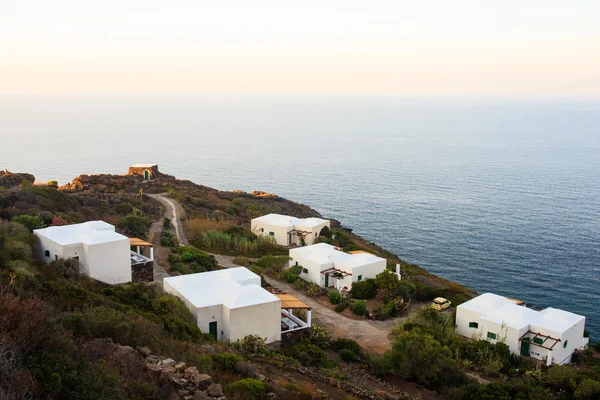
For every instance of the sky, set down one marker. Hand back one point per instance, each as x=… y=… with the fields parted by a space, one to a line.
x=541 y=48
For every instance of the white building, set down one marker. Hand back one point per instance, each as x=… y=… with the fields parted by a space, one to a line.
x=327 y=266
x=550 y=335
x=102 y=253
x=289 y=230
x=230 y=304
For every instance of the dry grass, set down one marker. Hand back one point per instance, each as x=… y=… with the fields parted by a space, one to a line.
x=195 y=227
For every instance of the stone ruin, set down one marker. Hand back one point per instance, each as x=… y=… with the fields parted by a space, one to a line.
x=147 y=171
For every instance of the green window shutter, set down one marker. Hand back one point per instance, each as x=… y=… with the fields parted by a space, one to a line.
x=491 y=335
x=271 y=233
x=305 y=270
x=538 y=340
x=565 y=345
x=360 y=278
x=473 y=325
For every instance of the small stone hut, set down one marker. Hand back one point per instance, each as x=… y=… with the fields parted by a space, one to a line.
x=148 y=171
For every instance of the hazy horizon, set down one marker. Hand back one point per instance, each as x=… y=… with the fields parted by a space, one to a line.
x=539 y=49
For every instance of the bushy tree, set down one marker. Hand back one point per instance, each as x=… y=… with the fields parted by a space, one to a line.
x=135 y=225
x=31 y=222
x=359 y=307
x=364 y=290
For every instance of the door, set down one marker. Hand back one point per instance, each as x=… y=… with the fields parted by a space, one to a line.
x=289 y=239
x=212 y=328
x=326 y=280
x=146 y=175
x=525 y=347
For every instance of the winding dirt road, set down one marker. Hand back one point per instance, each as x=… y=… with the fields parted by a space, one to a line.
x=372 y=335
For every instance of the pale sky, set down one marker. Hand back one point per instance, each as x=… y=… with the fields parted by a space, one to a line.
x=416 y=48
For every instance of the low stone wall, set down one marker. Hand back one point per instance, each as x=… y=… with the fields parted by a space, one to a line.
x=143 y=272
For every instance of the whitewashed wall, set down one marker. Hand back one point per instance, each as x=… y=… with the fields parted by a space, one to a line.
x=109 y=262
x=263 y=320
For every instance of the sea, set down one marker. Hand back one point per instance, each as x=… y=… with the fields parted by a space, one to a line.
x=500 y=195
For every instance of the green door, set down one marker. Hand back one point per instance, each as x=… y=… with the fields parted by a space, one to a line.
x=525 y=347
x=212 y=328
x=146 y=175
x=326 y=280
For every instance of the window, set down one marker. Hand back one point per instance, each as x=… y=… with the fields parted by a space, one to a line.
x=56 y=257
x=538 y=340
x=47 y=253
x=491 y=335
x=296 y=263
x=473 y=325
x=305 y=270
x=271 y=233
x=360 y=278
x=565 y=345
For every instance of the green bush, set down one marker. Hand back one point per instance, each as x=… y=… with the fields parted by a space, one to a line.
x=135 y=225
x=364 y=290
x=588 y=389
x=62 y=377
x=248 y=388
x=124 y=208
x=343 y=343
x=31 y=222
x=359 y=307
x=348 y=355
x=198 y=260
x=341 y=307
x=226 y=361
x=335 y=297
x=308 y=354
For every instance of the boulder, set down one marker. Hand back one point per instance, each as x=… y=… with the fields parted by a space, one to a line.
x=180 y=366
x=200 y=396
x=203 y=381
x=144 y=351
x=180 y=383
x=168 y=361
x=215 y=390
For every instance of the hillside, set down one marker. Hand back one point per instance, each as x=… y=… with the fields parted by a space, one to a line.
x=65 y=336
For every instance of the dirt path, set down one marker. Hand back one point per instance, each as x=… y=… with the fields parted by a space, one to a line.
x=372 y=335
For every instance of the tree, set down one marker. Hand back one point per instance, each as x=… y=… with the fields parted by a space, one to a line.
x=31 y=222
x=135 y=225
x=364 y=290
x=588 y=389
x=388 y=284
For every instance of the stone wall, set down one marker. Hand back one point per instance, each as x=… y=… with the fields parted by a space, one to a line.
x=154 y=174
x=143 y=272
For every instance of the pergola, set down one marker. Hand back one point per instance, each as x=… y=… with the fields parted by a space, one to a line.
x=289 y=321
x=136 y=256
x=336 y=273
x=545 y=338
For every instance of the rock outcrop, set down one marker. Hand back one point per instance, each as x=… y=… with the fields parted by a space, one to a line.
x=11 y=180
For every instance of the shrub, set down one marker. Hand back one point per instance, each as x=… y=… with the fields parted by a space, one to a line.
x=167 y=223
x=250 y=345
x=226 y=361
x=63 y=377
x=341 y=307
x=248 y=388
x=348 y=355
x=379 y=366
x=342 y=343
x=124 y=208
x=335 y=297
x=319 y=336
x=135 y=225
x=31 y=222
x=597 y=345
x=313 y=290
x=308 y=354
x=359 y=307
x=326 y=232
x=52 y=184
x=588 y=389
x=364 y=290
x=243 y=261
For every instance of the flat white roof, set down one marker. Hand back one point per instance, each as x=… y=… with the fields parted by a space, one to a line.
x=92 y=232
x=502 y=310
x=485 y=303
x=286 y=220
x=143 y=165
x=232 y=287
x=323 y=253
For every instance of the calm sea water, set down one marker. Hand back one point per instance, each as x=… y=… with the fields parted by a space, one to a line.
x=499 y=196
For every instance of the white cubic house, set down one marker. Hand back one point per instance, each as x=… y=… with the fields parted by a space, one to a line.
x=101 y=253
x=229 y=304
x=550 y=335
x=327 y=266
x=289 y=230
